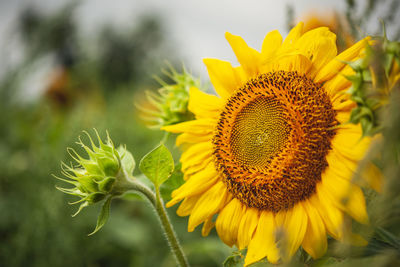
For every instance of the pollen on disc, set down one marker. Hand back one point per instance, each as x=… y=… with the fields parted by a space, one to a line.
x=260 y=131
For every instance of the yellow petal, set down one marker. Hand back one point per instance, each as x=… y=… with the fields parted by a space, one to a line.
x=356 y=240
x=192 y=168
x=336 y=64
x=289 y=62
x=340 y=166
x=248 y=57
x=208 y=204
x=339 y=83
x=314 y=241
x=200 y=127
x=293 y=223
x=319 y=46
x=223 y=76
x=204 y=105
x=192 y=138
x=271 y=43
x=195 y=154
x=373 y=176
x=343 y=116
x=197 y=183
x=345 y=104
x=345 y=195
x=348 y=142
x=207 y=226
x=263 y=242
x=228 y=222
x=293 y=35
x=330 y=215
x=247 y=227
x=186 y=206
x=355 y=205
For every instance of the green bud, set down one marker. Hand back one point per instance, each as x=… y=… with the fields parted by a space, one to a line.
x=102 y=175
x=170 y=104
x=375 y=76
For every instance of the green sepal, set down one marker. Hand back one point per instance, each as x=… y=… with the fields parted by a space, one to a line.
x=108 y=164
x=157 y=165
x=107 y=184
x=83 y=205
x=87 y=183
x=103 y=216
x=127 y=161
x=91 y=166
x=95 y=197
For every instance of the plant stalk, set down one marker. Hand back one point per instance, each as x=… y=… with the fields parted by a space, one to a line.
x=158 y=204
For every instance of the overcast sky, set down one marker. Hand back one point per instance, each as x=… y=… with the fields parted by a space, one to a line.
x=197 y=27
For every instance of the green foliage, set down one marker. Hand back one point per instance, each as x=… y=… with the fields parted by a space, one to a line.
x=174 y=182
x=372 y=83
x=157 y=165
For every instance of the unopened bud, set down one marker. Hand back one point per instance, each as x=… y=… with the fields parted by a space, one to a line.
x=101 y=175
x=170 y=104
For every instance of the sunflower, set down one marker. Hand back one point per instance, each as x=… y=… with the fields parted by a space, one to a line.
x=268 y=161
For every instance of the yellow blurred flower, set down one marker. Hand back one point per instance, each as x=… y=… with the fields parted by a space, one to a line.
x=334 y=21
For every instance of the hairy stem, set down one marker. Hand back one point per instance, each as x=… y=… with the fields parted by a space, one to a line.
x=158 y=204
x=169 y=231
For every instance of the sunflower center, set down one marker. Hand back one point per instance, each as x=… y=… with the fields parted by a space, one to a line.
x=259 y=132
x=272 y=138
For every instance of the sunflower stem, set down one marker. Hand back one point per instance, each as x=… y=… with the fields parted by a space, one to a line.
x=173 y=241
x=158 y=204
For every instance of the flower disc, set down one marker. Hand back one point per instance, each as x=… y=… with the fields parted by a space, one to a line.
x=272 y=138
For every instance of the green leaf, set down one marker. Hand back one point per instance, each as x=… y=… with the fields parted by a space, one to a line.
x=174 y=181
x=157 y=165
x=127 y=160
x=103 y=216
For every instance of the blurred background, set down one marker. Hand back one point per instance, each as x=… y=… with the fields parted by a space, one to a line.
x=68 y=66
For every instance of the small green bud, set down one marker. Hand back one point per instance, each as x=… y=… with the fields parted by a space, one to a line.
x=102 y=175
x=170 y=104
x=376 y=74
